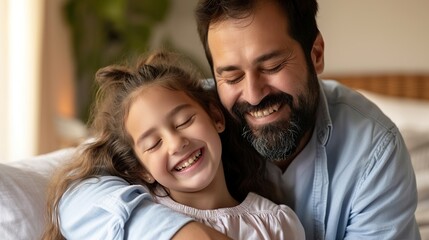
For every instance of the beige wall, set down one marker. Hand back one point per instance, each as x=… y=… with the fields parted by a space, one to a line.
x=360 y=36
x=375 y=36
x=57 y=89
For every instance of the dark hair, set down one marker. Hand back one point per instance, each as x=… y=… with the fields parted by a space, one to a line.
x=111 y=151
x=300 y=14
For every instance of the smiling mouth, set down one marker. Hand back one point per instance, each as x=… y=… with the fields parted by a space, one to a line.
x=265 y=112
x=191 y=161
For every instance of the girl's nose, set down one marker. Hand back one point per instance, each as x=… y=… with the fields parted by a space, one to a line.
x=177 y=143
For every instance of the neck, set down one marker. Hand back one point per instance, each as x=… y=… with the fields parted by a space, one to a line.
x=215 y=195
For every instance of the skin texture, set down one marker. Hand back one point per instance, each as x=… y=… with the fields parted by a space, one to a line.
x=167 y=141
x=266 y=61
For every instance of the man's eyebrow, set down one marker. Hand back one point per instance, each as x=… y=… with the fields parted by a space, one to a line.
x=220 y=70
x=258 y=60
x=174 y=111
x=268 y=56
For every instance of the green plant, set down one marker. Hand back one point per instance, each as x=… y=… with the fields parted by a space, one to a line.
x=105 y=32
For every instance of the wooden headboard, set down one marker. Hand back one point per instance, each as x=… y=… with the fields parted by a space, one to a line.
x=407 y=86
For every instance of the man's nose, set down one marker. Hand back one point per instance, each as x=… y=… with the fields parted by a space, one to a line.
x=255 y=89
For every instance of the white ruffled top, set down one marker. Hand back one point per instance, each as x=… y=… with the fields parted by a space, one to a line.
x=255 y=218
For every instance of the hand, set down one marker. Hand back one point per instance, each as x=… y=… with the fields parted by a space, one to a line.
x=196 y=230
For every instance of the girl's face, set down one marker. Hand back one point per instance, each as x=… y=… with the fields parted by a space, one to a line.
x=175 y=139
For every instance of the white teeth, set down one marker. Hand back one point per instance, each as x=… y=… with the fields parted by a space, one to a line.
x=265 y=112
x=190 y=161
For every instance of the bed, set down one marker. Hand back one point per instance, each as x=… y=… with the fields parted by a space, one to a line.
x=404 y=98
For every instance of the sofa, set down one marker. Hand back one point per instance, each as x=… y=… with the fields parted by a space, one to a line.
x=23 y=183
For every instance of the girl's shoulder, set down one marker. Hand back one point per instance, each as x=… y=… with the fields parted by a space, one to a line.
x=278 y=220
x=259 y=205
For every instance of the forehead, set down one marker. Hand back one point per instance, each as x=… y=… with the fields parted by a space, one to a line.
x=156 y=97
x=154 y=105
x=264 y=31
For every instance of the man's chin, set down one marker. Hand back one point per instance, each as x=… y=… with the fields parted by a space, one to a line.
x=269 y=128
x=273 y=147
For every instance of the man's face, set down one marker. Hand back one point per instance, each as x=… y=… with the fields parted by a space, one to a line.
x=262 y=78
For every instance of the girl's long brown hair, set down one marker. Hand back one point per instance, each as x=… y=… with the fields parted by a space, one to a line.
x=110 y=150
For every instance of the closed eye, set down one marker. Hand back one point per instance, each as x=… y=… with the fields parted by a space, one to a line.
x=186 y=123
x=234 y=81
x=154 y=146
x=230 y=77
x=274 y=69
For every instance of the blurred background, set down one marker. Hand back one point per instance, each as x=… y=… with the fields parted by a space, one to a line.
x=50 y=50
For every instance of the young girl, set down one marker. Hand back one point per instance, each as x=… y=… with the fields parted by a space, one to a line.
x=155 y=125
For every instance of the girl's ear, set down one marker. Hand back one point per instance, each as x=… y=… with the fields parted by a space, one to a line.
x=218 y=118
x=148 y=177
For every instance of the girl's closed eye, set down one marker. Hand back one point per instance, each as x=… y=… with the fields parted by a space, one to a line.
x=152 y=145
x=186 y=122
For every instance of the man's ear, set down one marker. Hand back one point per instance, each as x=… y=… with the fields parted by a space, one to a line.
x=318 y=54
x=218 y=118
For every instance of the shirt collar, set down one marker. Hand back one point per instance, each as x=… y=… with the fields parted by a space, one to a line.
x=323 y=126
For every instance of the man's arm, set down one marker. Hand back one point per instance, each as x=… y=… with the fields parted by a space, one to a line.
x=109 y=208
x=386 y=199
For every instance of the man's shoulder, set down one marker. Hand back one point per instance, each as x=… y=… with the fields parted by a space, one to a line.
x=339 y=94
x=359 y=127
x=348 y=104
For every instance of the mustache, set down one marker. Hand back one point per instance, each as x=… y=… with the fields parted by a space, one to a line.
x=240 y=108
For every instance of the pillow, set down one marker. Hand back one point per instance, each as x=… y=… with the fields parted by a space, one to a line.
x=418 y=147
x=23 y=186
x=46 y=163
x=22 y=203
x=411 y=114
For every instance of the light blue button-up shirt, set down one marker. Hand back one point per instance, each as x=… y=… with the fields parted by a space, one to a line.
x=353 y=180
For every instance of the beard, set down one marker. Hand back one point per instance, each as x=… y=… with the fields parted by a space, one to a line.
x=279 y=140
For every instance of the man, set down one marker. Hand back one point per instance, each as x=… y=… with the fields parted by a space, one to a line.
x=342 y=164
x=337 y=160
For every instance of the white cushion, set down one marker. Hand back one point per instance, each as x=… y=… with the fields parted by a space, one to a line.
x=23 y=194
x=410 y=114
x=21 y=202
